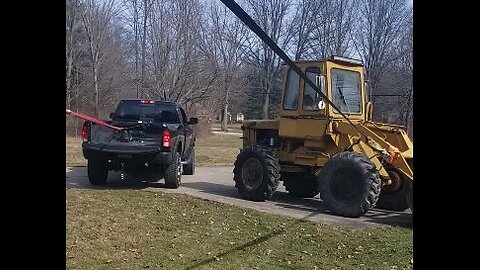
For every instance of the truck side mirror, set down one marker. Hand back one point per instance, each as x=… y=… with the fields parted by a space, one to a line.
x=369 y=112
x=193 y=121
x=111 y=115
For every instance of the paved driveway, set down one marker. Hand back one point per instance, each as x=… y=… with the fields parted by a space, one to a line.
x=216 y=184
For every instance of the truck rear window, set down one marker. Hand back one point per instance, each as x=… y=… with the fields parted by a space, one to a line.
x=134 y=111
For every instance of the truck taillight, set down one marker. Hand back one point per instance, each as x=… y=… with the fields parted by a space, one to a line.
x=85 y=132
x=166 y=139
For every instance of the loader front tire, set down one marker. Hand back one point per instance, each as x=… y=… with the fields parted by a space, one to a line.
x=394 y=197
x=256 y=173
x=349 y=184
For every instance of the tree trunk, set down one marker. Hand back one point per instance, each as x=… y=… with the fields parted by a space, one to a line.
x=76 y=127
x=268 y=89
x=144 y=43
x=224 y=123
x=135 y=30
x=266 y=103
x=97 y=96
x=69 y=81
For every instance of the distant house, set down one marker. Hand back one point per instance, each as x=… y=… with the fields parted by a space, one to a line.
x=240 y=117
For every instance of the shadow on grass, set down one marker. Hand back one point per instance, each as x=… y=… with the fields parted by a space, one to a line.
x=251 y=243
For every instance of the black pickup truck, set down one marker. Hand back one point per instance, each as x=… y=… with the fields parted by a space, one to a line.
x=155 y=137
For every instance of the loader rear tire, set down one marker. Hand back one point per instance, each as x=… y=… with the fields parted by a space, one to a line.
x=300 y=185
x=97 y=171
x=256 y=173
x=349 y=184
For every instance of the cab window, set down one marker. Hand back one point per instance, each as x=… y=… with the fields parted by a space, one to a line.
x=346 y=90
x=290 y=100
x=311 y=98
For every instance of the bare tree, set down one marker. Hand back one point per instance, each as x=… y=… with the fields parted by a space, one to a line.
x=97 y=18
x=405 y=70
x=333 y=22
x=380 y=24
x=131 y=18
x=72 y=47
x=303 y=26
x=180 y=72
x=271 y=16
x=227 y=36
x=113 y=68
x=161 y=46
x=343 y=13
x=147 y=6
x=196 y=53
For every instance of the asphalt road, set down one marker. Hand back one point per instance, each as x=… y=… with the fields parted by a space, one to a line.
x=216 y=184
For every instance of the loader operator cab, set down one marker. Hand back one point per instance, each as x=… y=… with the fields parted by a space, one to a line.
x=304 y=113
x=339 y=78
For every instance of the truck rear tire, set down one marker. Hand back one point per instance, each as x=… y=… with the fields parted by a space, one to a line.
x=97 y=171
x=394 y=197
x=256 y=173
x=349 y=184
x=189 y=168
x=300 y=185
x=173 y=172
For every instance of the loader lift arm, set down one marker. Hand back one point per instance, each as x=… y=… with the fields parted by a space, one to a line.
x=379 y=144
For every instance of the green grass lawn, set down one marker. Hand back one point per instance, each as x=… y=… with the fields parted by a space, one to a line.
x=130 y=229
x=74 y=152
x=215 y=150
x=237 y=127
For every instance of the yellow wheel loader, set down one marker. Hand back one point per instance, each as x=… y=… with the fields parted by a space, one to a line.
x=354 y=164
x=325 y=140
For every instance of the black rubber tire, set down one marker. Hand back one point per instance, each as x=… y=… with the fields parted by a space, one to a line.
x=394 y=197
x=349 y=184
x=300 y=185
x=410 y=197
x=266 y=173
x=189 y=168
x=97 y=171
x=173 y=172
